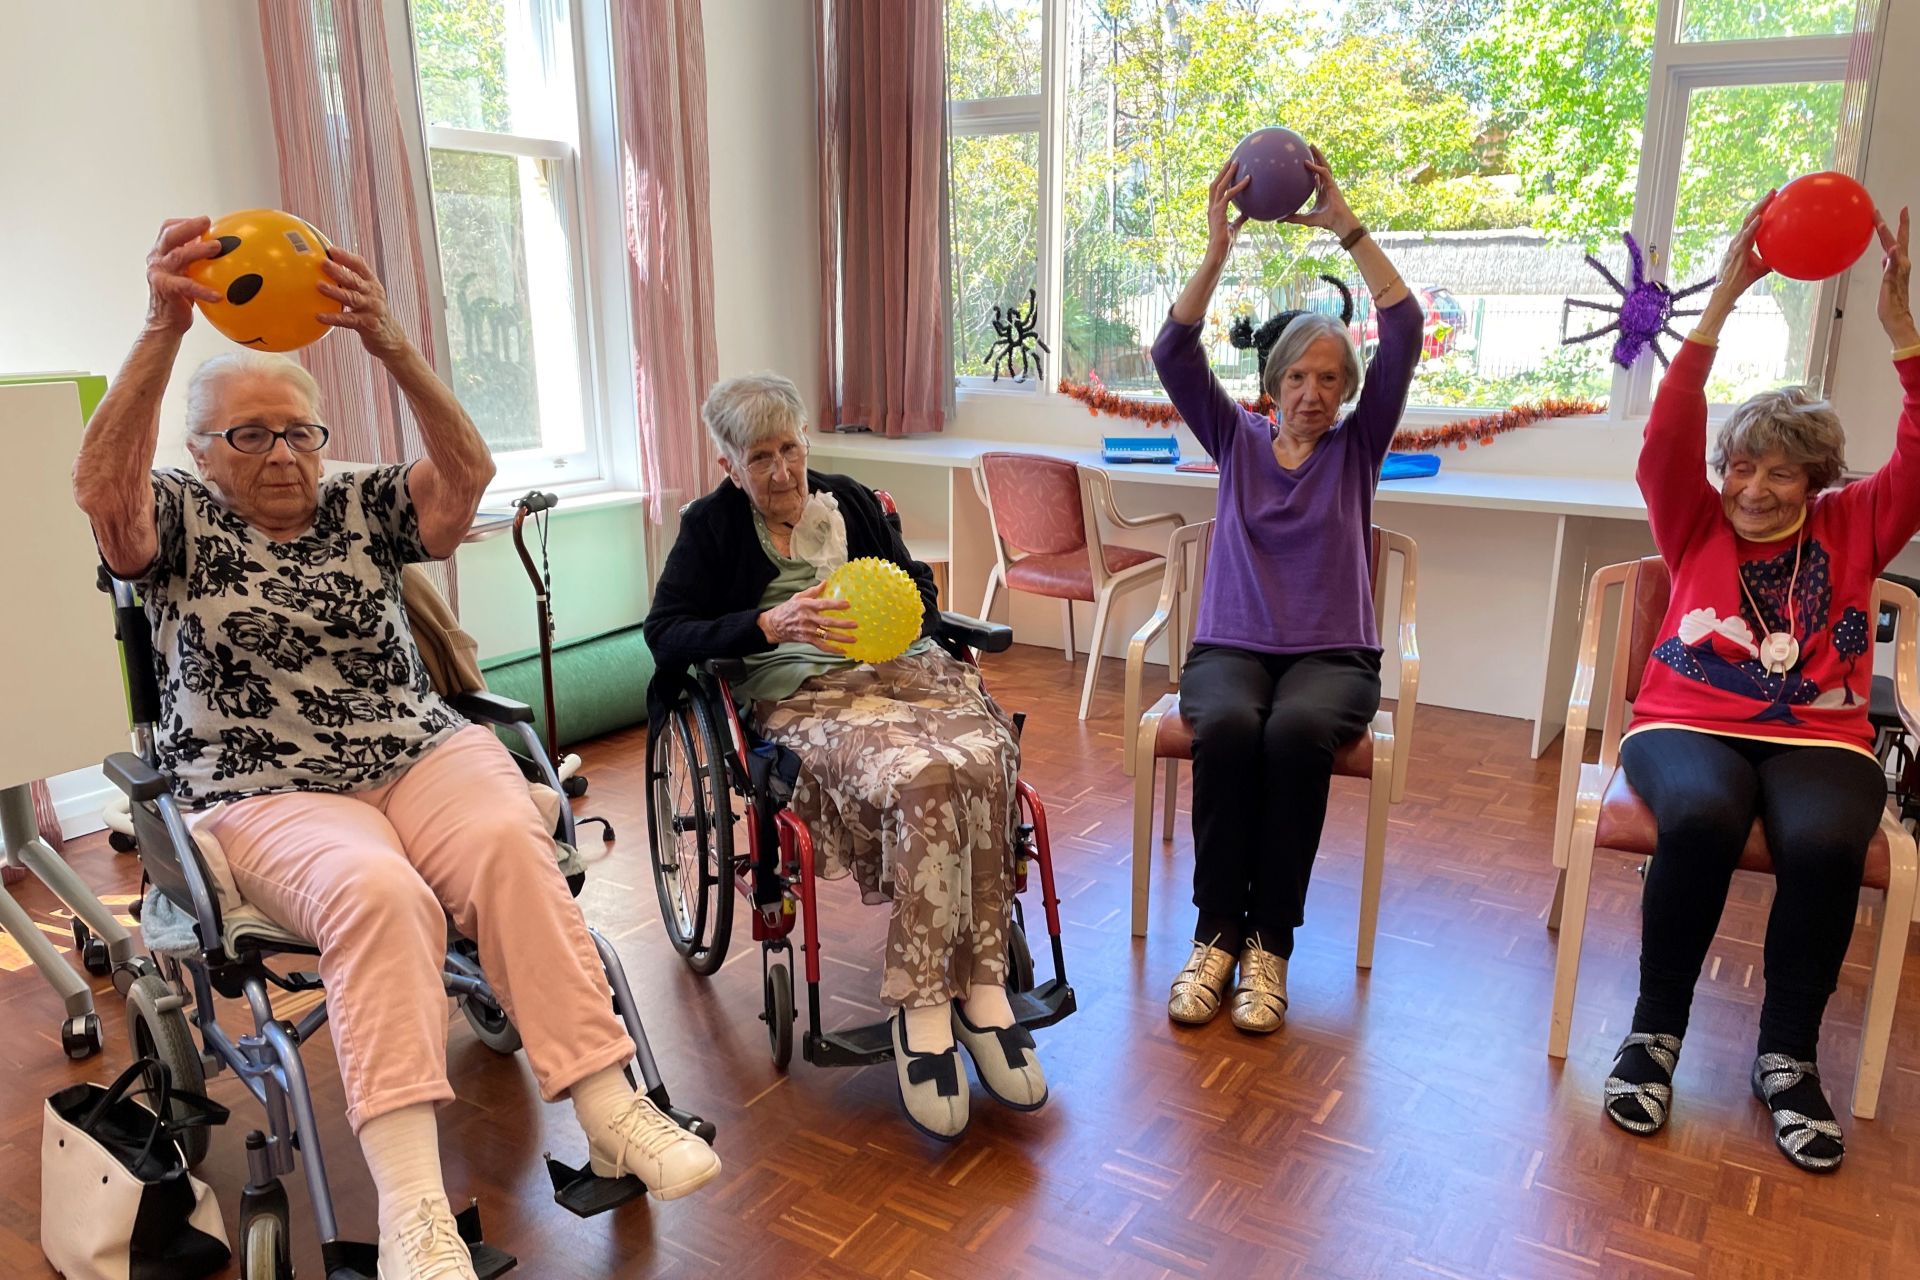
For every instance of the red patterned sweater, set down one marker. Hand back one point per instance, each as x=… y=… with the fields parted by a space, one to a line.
x=1705 y=672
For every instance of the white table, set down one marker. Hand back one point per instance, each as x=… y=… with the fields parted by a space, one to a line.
x=1503 y=567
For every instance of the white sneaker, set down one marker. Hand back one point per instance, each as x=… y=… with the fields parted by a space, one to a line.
x=651 y=1147
x=427 y=1246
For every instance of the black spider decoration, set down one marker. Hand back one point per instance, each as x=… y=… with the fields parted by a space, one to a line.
x=1016 y=336
x=1242 y=334
x=1643 y=312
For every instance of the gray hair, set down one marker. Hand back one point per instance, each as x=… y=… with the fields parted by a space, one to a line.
x=1302 y=332
x=1792 y=420
x=202 y=390
x=743 y=412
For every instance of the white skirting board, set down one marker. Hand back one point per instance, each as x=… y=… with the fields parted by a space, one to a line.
x=78 y=798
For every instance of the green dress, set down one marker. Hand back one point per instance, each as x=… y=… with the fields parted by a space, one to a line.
x=776 y=673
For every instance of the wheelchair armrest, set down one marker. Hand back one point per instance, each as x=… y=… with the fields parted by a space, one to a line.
x=985 y=637
x=728 y=669
x=491 y=708
x=140 y=780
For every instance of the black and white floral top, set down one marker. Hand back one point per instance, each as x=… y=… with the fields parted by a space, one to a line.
x=288 y=666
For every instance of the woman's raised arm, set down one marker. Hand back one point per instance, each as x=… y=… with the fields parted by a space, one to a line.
x=110 y=474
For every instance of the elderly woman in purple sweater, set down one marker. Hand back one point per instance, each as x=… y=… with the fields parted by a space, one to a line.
x=1285 y=668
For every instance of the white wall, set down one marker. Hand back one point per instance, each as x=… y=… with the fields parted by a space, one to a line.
x=1865 y=391
x=764 y=194
x=110 y=123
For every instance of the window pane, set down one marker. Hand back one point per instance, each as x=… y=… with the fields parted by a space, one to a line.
x=502 y=66
x=1764 y=19
x=508 y=280
x=1488 y=144
x=993 y=48
x=1742 y=140
x=995 y=212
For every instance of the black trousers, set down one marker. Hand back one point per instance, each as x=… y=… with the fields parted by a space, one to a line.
x=1819 y=805
x=1265 y=730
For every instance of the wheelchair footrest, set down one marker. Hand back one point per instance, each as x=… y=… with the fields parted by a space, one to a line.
x=585 y=1194
x=864 y=1046
x=1043 y=1006
x=352 y=1260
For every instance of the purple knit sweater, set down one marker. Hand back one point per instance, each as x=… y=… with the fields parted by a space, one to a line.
x=1288 y=571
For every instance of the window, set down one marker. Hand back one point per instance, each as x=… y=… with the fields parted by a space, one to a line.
x=995 y=74
x=500 y=97
x=1490 y=145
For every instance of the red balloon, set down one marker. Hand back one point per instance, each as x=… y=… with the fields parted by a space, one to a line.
x=1817 y=226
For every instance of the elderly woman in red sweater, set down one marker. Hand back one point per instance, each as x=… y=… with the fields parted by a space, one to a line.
x=1754 y=702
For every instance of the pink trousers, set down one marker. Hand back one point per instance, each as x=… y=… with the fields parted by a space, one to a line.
x=371 y=878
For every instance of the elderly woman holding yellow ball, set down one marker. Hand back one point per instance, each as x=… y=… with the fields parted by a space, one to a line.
x=908 y=768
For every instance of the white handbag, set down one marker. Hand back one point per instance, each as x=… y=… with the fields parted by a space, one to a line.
x=116 y=1199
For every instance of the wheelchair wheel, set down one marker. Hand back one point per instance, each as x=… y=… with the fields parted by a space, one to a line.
x=491 y=1026
x=779 y=1013
x=690 y=823
x=157 y=1027
x=263 y=1250
x=1019 y=960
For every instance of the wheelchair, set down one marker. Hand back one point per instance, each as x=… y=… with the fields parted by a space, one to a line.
x=710 y=778
x=172 y=994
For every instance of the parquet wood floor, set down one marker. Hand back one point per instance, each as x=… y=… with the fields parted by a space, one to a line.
x=1405 y=1123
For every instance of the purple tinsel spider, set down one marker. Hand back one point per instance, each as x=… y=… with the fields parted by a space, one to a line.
x=1643 y=311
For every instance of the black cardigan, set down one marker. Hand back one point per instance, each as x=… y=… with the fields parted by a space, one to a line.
x=707 y=602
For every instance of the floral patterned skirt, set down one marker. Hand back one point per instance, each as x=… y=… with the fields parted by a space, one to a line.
x=907 y=782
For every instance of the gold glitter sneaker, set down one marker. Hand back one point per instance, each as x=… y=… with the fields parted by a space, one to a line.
x=1200 y=985
x=1260 y=1001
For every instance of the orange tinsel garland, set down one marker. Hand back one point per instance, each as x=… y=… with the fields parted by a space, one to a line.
x=1482 y=428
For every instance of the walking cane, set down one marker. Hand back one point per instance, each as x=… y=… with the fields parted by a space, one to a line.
x=536 y=505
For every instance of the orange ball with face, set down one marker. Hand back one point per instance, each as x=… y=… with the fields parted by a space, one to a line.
x=267 y=276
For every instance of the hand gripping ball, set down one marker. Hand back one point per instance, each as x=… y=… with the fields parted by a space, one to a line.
x=267 y=274
x=882 y=602
x=1276 y=162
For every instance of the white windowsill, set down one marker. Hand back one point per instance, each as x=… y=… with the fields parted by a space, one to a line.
x=583 y=496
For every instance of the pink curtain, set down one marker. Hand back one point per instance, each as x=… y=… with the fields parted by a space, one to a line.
x=343 y=167
x=661 y=87
x=880 y=75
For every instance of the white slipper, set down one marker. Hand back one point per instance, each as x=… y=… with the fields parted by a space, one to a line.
x=933 y=1088
x=1006 y=1062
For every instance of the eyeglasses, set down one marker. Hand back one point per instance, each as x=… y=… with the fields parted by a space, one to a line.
x=301 y=437
x=792 y=455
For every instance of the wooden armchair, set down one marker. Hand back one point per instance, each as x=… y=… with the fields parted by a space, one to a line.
x=1379 y=755
x=1598 y=809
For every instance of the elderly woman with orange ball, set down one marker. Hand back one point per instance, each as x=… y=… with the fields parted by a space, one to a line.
x=299 y=728
x=907 y=768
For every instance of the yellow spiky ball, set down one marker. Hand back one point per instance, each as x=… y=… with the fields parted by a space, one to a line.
x=882 y=602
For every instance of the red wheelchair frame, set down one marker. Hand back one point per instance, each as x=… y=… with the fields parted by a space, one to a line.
x=775 y=875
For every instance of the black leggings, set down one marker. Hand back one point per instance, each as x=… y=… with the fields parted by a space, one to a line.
x=1265 y=730
x=1819 y=806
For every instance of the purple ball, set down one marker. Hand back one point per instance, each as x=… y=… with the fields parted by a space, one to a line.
x=1276 y=160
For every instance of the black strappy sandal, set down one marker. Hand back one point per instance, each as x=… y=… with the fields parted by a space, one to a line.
x=1812 y=1143
x=1653 y=1099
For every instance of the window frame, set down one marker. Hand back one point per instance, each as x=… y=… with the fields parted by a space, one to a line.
x=1043 y=115
x=586 y=191
x=1679 y=68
